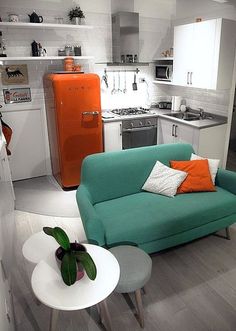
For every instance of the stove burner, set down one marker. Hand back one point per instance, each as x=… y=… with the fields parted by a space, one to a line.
x=130 y=111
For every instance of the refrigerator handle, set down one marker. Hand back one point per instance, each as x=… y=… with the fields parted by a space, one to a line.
x=90 y=113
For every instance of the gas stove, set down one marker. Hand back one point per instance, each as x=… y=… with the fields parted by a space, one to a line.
x=130 y=111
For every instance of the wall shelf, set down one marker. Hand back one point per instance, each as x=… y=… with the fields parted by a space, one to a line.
x=42 y=58
x=162 y=82
x=119 y=64
x=163 y=59
x=16 y=25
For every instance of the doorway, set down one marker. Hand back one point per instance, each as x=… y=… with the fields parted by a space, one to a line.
x=231 y=158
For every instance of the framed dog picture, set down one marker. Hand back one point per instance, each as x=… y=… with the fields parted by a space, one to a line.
x=14 y=74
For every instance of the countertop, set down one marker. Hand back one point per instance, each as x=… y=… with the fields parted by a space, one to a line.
x=108 y=116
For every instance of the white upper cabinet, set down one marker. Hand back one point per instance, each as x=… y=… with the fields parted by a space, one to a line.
x=183 y=54
x=204 y=54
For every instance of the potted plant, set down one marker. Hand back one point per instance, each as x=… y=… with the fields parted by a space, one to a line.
x=76 y=15
x=72 y=258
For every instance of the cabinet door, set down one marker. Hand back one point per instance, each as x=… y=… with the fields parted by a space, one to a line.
x=165 y=132
x=28 y=157
x=6 y=232
x=186 y=134
x=204 y=37
x=183 y=53
x=112 y=135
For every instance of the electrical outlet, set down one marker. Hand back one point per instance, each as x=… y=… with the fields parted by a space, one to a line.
x=142 y=80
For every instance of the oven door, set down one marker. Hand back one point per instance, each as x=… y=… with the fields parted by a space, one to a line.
x=139 y=137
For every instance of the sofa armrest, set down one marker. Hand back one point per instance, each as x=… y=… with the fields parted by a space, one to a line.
x=92 y=224
x=227 y=180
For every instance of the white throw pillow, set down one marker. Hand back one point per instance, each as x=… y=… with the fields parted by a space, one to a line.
x=213 y=165
x=164 y=180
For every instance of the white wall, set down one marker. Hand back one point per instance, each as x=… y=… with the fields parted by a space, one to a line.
x=31 y=157
x=154 y=37
x=188 y=10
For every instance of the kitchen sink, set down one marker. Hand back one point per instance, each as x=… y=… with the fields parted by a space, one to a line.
x=185 y=116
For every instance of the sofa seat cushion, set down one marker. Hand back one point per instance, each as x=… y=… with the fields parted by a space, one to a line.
x=144 y=217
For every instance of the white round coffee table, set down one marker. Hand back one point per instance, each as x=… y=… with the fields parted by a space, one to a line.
x=49 y=288
x=39 y=245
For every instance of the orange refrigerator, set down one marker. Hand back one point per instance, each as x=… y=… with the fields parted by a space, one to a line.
x=73 y=107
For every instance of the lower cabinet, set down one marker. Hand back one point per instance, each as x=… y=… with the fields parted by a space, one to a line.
x=207 y=142
x=6 y=241
x=112 y=136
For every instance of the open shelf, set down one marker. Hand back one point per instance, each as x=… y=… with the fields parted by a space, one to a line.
x=121 y=64
x=17 y=25
x=162 y=82
x=42 y=58
x=163 y=59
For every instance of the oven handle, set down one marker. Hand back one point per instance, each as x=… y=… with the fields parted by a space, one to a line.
x=143 y=128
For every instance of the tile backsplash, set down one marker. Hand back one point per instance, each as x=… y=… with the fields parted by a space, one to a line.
x=213 y=101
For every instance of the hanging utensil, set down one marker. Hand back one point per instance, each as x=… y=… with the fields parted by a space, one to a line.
x=113 y=91
x=105 y=78
x=134 y=85
x=119 y=89
x=125 y=89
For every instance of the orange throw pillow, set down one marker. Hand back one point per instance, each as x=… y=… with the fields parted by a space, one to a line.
x=199 y=177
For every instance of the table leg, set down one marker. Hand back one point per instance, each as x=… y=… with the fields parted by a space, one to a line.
x=105 y=316
x=53 y=319
x=138 y=298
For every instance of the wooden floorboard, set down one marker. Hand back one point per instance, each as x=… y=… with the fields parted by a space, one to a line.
x=192 y=287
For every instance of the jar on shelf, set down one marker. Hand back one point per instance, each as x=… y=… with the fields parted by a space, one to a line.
x=77 y=50
x=69 y=64
x=69 y=50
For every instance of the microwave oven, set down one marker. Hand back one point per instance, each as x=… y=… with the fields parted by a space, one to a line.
x=164 y=72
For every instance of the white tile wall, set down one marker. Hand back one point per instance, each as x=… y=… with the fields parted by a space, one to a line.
x=154 y=38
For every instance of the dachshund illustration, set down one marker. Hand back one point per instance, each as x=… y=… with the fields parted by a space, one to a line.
x=13 y=73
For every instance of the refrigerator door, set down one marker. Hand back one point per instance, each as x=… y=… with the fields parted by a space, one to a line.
x=78 y=123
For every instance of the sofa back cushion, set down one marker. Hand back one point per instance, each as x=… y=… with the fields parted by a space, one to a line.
x=112 y=175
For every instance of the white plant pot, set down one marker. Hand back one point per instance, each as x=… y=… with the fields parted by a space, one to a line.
x=77 y=20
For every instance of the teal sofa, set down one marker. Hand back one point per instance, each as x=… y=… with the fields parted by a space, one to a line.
x=114 y=208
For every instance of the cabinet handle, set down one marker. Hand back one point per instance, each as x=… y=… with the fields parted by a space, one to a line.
x=120 y=129
x=176 y=131
x=173 y=126
x=191 y=78
x=3 y=269
x=188 y=77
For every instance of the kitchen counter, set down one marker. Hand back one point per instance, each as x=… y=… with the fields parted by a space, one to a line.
x=200 y=124
x=108 y=116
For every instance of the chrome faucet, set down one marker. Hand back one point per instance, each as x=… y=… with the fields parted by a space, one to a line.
x=202 y=113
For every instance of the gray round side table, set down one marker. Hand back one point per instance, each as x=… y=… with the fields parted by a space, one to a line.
x=135 y=271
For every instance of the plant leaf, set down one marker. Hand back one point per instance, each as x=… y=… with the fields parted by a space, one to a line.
x=88 y=264
x=48 y=230
x=69 y=269
x=62 y=238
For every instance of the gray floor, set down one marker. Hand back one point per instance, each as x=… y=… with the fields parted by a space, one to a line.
x=43 y=195
x=192 y=288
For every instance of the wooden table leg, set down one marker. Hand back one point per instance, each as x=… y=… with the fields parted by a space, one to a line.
x=53 y=320
x=139 y=303
x=105 y=316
